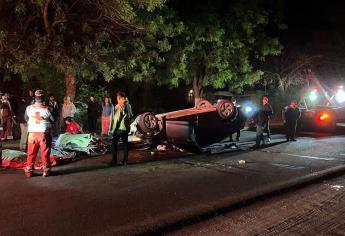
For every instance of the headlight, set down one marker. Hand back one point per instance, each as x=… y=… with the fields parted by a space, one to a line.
x=312 y=96
x=340 y=96
x=248 y=109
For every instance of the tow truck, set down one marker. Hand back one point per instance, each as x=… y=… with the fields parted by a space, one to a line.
x=322 y=108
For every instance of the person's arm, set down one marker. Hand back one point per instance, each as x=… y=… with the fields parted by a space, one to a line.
x=26 y=115
x=74 y=109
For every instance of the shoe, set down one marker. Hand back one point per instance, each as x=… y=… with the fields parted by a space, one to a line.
x=124 y=163
x=255 y=147
x=46 y=173
x=29 y=173
x=268 y=140
x=112 y=163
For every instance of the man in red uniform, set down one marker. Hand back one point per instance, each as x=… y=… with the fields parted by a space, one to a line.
x=39 y=121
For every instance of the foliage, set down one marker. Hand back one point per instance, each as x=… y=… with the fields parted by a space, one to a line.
x=64 y=34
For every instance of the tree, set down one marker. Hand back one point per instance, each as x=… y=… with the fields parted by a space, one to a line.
x=64 y=35
x=219 y=44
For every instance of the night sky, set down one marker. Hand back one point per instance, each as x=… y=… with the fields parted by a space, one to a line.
x=318 y=28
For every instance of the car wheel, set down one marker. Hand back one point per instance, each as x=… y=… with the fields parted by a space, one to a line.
x=148 y=122
x=226 y=109
x=203 y=104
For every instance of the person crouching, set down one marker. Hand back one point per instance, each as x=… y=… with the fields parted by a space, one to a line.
x=72 y=127
x=39 y=121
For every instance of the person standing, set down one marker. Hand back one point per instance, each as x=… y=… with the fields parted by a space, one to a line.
x=53 y=107
x=262 y=122
x=120 y=127
x=39 y=121
x=68 y=110
x=107 y=115
x=291 y=115
x=30 y=99
x=23 y=125
x=6 y=116
x=93 y=112
x=268 y=112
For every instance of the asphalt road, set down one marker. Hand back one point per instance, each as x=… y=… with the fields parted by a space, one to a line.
x=316 y=209
x=160 y=192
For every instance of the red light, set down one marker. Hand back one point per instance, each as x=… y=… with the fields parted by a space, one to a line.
x=323 y=116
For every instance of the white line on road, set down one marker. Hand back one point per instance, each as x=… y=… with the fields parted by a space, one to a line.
x=310 y=157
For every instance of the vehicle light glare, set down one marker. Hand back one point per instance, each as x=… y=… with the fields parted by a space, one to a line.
x=340 y=96
x=249 y=109
x=312 y=96
x=324 y=116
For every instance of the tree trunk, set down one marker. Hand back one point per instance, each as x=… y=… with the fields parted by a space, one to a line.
x=70 y=83
x=197 y=90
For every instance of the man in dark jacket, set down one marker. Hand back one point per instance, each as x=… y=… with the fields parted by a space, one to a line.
x=291 y=115
x=23 y=125
x=53 y=107
x=120 y=127
x=268 y=112
x=262 y=117
x=93 y=113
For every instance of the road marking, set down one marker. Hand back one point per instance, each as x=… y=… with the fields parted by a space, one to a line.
x=310 y=157
x=288 y=166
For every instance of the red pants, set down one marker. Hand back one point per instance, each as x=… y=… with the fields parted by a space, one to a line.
x=7 y=127
x=35 y=142
x=106 y=124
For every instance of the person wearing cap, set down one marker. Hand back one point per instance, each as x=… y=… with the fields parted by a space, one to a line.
x=39 y=121
x=6 y=117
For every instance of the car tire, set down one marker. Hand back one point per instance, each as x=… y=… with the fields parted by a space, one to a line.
x=203 y=104
x=226 y=110
x=148 y=122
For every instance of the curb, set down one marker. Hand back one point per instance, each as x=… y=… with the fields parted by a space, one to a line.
x=245 y=200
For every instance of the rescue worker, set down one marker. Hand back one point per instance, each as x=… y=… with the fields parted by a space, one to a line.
x=120 y=127
x=291 y=116
x=268 y=111
x=39 y=121
x=72 y=127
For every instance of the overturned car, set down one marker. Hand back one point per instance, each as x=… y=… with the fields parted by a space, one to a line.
x=199 y=126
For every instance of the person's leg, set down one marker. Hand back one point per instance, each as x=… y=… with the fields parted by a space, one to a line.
x=259 y=135
x=45 y=144
x=287 y=131
x=293 y=130
x=268 y=129
x=124 y=137
x=23 y=136
x=107 y=124
x=114 y=142
x=103 y=125
x=238 y=135
x=4 y=128
x=33 y=147
x=94 y=120
x=90 y=124
x=10 y=128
